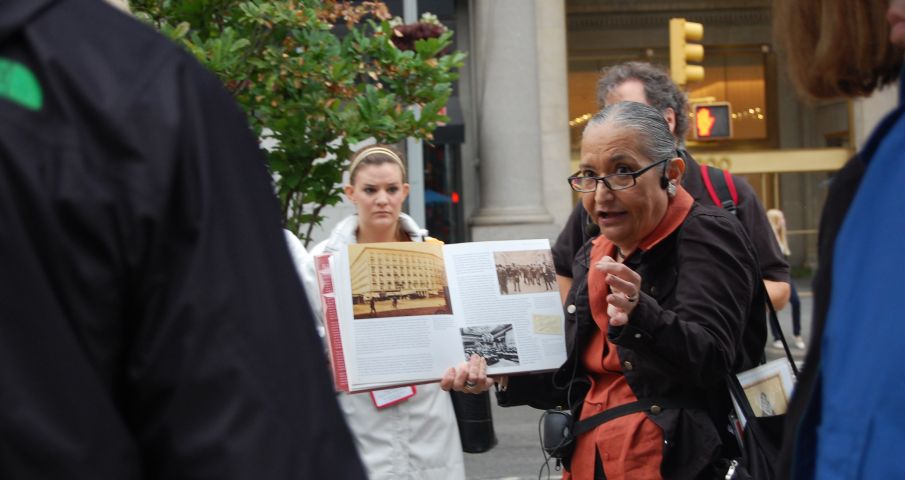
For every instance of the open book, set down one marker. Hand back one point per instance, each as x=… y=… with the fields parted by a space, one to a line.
x=403 y=313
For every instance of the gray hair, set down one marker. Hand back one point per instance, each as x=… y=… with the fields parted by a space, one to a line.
x=650 y=126
x=659 y=89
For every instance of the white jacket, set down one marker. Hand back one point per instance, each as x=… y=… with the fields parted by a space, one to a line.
x=415 y=439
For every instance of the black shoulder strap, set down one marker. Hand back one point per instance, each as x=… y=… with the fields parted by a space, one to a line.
x=774 y=322
x=716 y=185
x=654 y=406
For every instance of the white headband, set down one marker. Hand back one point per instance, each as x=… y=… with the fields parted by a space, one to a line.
x=371 y=150
x=376 y=149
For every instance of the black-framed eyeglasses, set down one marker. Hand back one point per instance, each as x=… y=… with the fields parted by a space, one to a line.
x=614 y=181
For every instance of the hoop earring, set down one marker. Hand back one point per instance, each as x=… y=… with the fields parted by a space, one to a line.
x=671 y=190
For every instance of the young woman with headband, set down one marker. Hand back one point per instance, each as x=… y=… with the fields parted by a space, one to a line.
x=417 y=437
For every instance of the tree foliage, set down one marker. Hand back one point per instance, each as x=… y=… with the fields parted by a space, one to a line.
x=318 y=77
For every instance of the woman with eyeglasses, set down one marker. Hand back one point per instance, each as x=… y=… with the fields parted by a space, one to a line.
x=655 y=314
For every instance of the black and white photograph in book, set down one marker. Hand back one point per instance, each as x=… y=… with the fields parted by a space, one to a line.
x=527 y=271
x=496 y=343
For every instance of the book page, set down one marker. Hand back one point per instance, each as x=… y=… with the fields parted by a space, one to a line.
x=395 y=314
x=508 y=304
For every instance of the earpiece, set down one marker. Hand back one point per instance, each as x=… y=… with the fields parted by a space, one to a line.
x=591 y=229
x=664 y=182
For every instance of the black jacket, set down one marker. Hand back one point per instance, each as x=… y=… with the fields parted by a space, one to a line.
x=151 y=321
x=700 y=290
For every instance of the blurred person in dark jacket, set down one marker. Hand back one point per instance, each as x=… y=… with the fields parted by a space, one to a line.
x=844 y=419
x=151 y=322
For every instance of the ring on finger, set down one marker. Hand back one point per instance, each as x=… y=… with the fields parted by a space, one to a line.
x=632 y=299
x=469 y=384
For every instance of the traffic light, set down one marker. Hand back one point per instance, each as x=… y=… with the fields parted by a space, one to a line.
x=712 y=121
x=681 y=52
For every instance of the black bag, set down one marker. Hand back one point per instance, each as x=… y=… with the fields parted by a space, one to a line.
x=761 y=438
x=557 y=436
x=557 y=426
x=475 y=420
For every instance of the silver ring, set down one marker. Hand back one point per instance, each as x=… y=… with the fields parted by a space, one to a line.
x=470 y=384
x=632 y=299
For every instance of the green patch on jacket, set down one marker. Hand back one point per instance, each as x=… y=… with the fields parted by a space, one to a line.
x=19 y=85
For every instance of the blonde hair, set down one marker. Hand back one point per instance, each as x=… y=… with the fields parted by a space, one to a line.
x=377 y=154
x=778 y=222
x=836 y=47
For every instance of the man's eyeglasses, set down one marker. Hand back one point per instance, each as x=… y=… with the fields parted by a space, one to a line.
x=615 y=181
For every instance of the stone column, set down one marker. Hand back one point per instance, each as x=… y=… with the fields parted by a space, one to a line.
x=554 y=108
x=505 y=55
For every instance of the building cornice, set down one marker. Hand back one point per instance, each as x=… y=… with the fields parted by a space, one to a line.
x=673 y=6
x=648 y=19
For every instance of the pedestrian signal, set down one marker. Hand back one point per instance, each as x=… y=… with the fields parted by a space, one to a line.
x=712 y=121
x=681 y=52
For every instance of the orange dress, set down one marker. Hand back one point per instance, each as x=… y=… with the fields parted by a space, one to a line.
x=630 y=447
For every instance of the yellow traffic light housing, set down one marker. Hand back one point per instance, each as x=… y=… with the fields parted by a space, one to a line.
x=681 y=52
x=712 y=121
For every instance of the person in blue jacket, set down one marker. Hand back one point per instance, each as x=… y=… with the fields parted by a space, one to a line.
x=845 y=419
